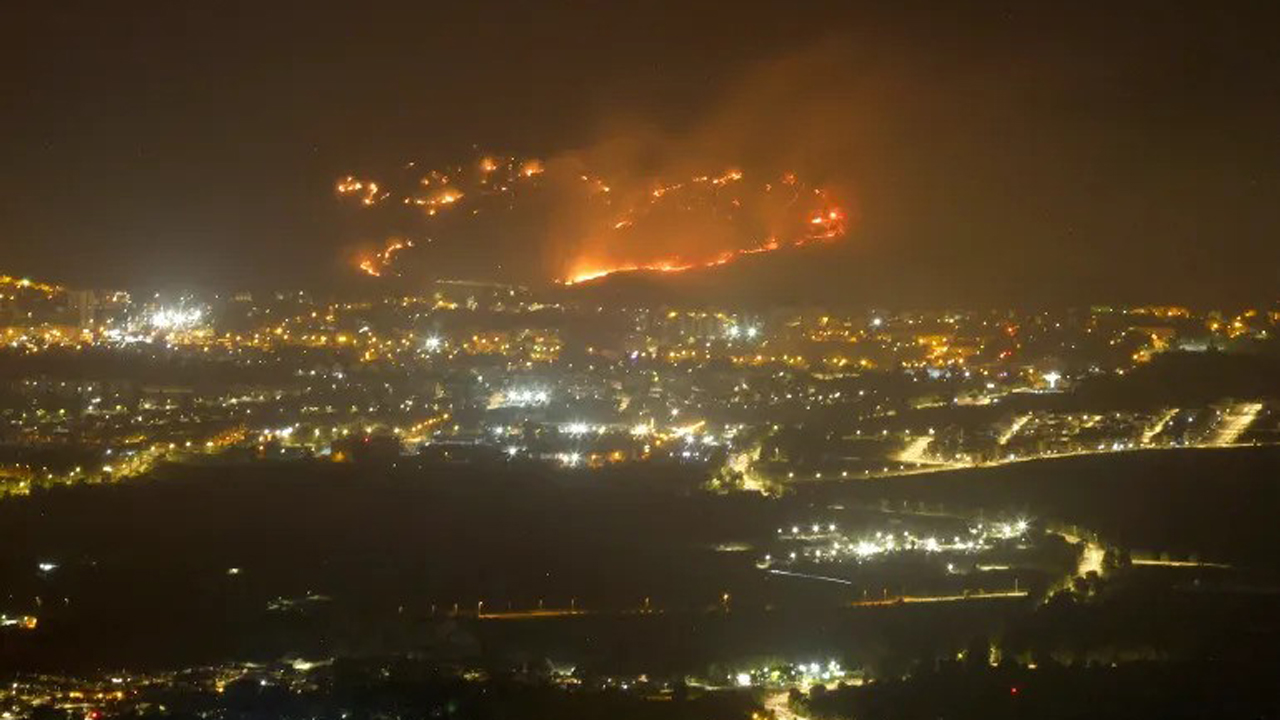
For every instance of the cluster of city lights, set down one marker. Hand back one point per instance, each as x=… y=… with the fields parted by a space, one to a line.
x=24 y=622
x=791 y=675
x=569 y=459
x=525 y=397
x=578 y=429
x=176 y=318
x=823 y=543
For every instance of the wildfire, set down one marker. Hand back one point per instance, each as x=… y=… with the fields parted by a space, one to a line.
x=824 y=226
x=376 y=265
x=531 y=168
x=666 y=266
x=832 y=227
x=626 y=224
x=370 y=192
x=827 y=226
x=728 y=177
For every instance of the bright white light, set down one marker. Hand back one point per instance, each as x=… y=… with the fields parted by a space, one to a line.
x=525 y=398
x=743 y=679
x=433 y=343
x=176 y=318
x=47 y=567
x=876 y=322
x=577 y=428
x=565 y=458
x=1052 y=377
x=752 y=332
x=732 y=331
x=866 y=549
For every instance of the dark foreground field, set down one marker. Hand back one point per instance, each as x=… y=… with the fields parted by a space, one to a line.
x=202 y=564
x=1215 y=504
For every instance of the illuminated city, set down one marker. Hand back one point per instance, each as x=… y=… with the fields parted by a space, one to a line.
x=695 y=362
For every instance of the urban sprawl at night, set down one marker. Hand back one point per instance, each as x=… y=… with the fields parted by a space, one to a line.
x=638 y=361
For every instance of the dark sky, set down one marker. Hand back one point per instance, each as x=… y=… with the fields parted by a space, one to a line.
x=1069 y=151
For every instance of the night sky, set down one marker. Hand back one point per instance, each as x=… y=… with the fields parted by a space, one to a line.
x=1078 y=152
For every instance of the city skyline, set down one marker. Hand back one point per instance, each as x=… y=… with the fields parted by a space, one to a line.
x=639 y=360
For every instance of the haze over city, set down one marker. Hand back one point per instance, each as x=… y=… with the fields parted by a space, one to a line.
x=997 y=153
x=748 y=361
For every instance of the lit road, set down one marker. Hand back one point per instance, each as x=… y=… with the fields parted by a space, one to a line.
x=807 y=576
x=1156 y=427
x=910 y=599
x=1090 y=559
x=915 y=454
x=1181 y=564
x=1013 y=429
x=743 y=463
x=926 y=469
x=532 y=614
x=778 y=704
x=1235 y=421
x=903 y=599
x=552 y=613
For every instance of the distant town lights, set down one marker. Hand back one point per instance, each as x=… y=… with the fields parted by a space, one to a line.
x=526 y=397
x=176 y=318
